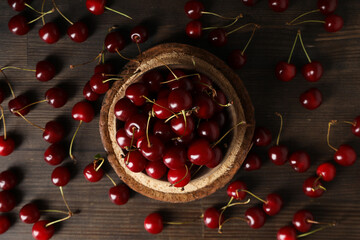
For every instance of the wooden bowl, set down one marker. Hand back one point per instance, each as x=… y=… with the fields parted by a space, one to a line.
x=185 y=57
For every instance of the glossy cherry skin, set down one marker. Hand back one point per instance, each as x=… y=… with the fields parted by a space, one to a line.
x=311 y=99
x=96 y=7
x=220 y=98
x=7 y=201
x=114 y=41
x=175 y=157
x=60 y=176
x=313 y=71
x=327 y=171
x=278 y=5
x=211 y=218
x=152 y=80
x=179 y=177
x=135 y=126
x=135 y=161
x=262 y=137
x=194 y=29
x=135 y=93
x=7 y=146
x=8 y=180
x=41 y=232
x=333 y=23
x=18 y=103
x=139 y=34
x=301 y=220
x=217 y=158
x=200 y=152
x=18 y=25
x=49 y=33
x=89 y=94
x=178 y=126
x=119 y=194
x=285 y=71
x=249 y=2
x=154 y=151
x=355 y=128
x=300 y=161
x=286 y=233
x=183 y=82
x=234 y=190
x=155 y=169
x=91 y=174
x=17 y=5
x=273 y=204
x=54 y=132
x=98 y=85
x=45 y=71
x=327 y=6
x=78 y=32
x=218 y=37
x=205 y=106
x=312 y=188
x=122 y=139
x=163 y=130
x=209 y=130
x=255 y=217
x=252 y=162
x=194 y=9
x=153 y=223
x=56 y=97
x=83 y=111
x=29 y=213
x=179 y=99
x=278 y=154
x=202 y=83
x=161 y=109
x=237 y=59
x=185 y=140
x=4 y=224
x=55 y=154
x=345 y=155
x=124 y=109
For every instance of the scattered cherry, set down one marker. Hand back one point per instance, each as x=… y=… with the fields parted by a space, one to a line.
x=8 y=180
x=252 y=162
x=18 y=25
x=139 y=34
x=54 y=132
x=312 y=71
x=89 y=94
x=78 y=32
x=211 y=218
x=355 y=126
x=55 y=154
x=272 y=204
x=237 y=59
x=300 y=161
x=153 y=223
x=312 y=187
x=18 y=103
x=98 y=85
x=83 y=111
x=91 y=174
x=49 y=33
x=311 y=99
x=262 y=137
x=255 y=217
x=194 y=29
x=17 y=5
x=194 y=9
x=333 y=23
x=56 y=97
x=249 y=2
x=302 y=220
x=218 y=37
x=41 y=232
x=119 y=194
x=114 y=41
x=4 y=224
x=45 y=71
x=7 y=146
x=29 y=213
x=285 y=71
x=7 y=201
x=345 y=155
x=286 y=233
x=327 y=6
x=60 y=176
x=278 y=5
x=278 y=154
x=326 y=171
x=234 y=190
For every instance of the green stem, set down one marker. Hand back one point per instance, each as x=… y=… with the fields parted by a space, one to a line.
x=243 y=26
x=302 y=44
x=220 y=16
x=226 y=26
x=308 y=21
x=58 y=10
x=281 y=127
x=72 y=141
x=251 y=37
x=293 y=47
x=123 y=14
x=42 y=16
x=302 y=15
x=240 y=123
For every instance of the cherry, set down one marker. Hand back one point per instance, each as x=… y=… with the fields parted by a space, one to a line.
x=174 y=82
x=29 y=213
x=54 y=132
x=17 y=5
x=175 y=157
x=355 y=126
x=179 y=177
x=98 y=85
x=4 y=224
x=209 y=130
x=311 y=99
x=211 y=218
x=333 y=23
x=237 y=59
x=278 y=154
x=156 y=169
x=114 y=42
x=163 y=130
x=194 y=29
x=18 y=103
x=106 y=68
x=286 y=233
x=122 y=139
x=312 y=71
x=135 y=93
x=278 y=5
x=272 y=204
x=345 y=155
x=7 y=201
x=119 y=194
x=18 y=25
x=135 y=161
x=249 y=2
x=83 y=111
x=326 y=171
x=45 y=71
x=152 y=150
x=49 y=33
x=262 y=137
x=312 y=187
x=152 y=80
x=205 y=106
x=252 y=162
x=203 y=84
x=194 y=9
x=302 y=220
x=153 y=223
x=255 y=217
x=60 y=176
x=200 y=152
x=218 y=156
x=41 y=232
x=55 y=154
x=179 y=99
x=163 y=93
x=234 y=190
x=124 y=109
x=8 y=180
x=7 y=146
x=285 y=71
x=56 y=97
x=135 y=126
x=78 y=32
x=327 y=6
x=181 y=128
x=160 y=109
x=300 y=161
x=218 y=37
x=89 y=94
x=139 y=34
x=185 y=140
x=92 y=174
x=96 y=7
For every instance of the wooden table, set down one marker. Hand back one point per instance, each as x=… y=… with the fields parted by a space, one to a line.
x=303 y=129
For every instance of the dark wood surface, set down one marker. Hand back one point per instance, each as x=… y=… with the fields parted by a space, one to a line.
x=303 y=129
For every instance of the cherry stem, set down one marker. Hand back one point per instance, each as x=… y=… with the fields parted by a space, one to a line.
x=113 y=79
x=351 y=123
x=293 y=47
x=128 y=59
x=27 y=5
x=60 y=220
x=237 y=203
x=187 y=172
x=34 y=103
x=28 y=121
x=58 y=10
x=185 y=122
x=138 y=47
x=98 y=159
x=302 y=44
x=65 y=202
x=178 y=78
x=220 y=16
x=11 y=67
x=316 y=181
x=320 y=223
x=42 y=16
x=218 y=141
x=243 y=26
x=302 y=15
x=72 y=142
x=131 y=144
x=153 y=102
x=226 y=26
x=281 y=127
x=115 y=11
x=3 y=118
x=197 y=170
x=252 y=194
x=111 y=180
x=147 y=130
x=54 y=211
x=42 y=10
x=225 y=207
x=316 y=230
x=8 y=83
x=332 y=122
x=81 y=64
x=251 y=37
x=308 y=21
x=220 y=226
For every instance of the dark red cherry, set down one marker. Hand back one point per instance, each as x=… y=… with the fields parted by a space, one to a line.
x=96 y=7
x=333 y=23
x=278 y=5
x=219 y=99
x=209 y=130
x=60 y=176
x=234 y=190
x=136 y=126
x=49 y=33
x=135 y=93
x=327 y=6
x=345 y=155
x=124 y=109
x=17 y=5
x=54 y=132
x=152 y=80
x=175 y=157
x=286 y=233
x=7 y=145
x=273 y=204
x=313 y=71
x=300 y=161
x=249 y=2
x=200 y=152
x=98 y=85
x=220 y=118
x=114 y=41
x=45 y=71
x=252 y=162
x=155 y=169
x=139 y=34
x=194 y=9
x=89 y=94
x=4 y=224
x=119 y=194
x=8 y=180
x=161 y=109
x=255 y=217
x=326 y=171
x=285 y=71
x=179 y=99
x=278 y=154
x=122 y=139
x=262 y=137
x=312 y=187
x=202 y=84
x=218 y=37
x=355 y=127
x=18 y=103
x=91 y=174
x=163 y=93
x=78 y=32
x=29 y=213
x=104 y=68
x=180 y=128
x=184 y=140
x=56 y=97
x=153 y=223
x=55 y=154
x=311 y=99
x=163 y=130
x=41 y=232
x=212 y=218
x=194 y=29
x=237 y=59
x=7 y=201
x=301 y=220
x=18 y=25
x=83 y=111
x=135 y=161
x=217 y=158
x=154 y=150
x=179 y=177
x=205 y=106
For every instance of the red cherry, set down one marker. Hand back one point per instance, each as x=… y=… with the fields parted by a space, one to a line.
x=4 y=224
x=209 y=130
x=327 y=171
x=273 y=204
x=119 y=194
x=60 y=176
x=55 y=154
x=179 y=99
x=163 y=93
x=154 y=151
x=135 y=126
x=83 y=111
x=345 y=155
x=311 y=188
x=18 y=103
x=135 y=161
x=278 y=5
x=96 y=7
x=262 y=137
x=97 y=83
x=327 y=6
x=29 y=213
x=178 y=126
x=255 y=217
x=237 y=59
x=91 y=174
x=234 y=190
x=122 y=139
x=205 y=106
x=333 y=23
x=153 y=223
x=41 y=232
x=152 y=80
x=286 y=233
x=8 y=180
x=175 y=157
x=56 y=97
x=160 y=109
x=313 y=71
x=355 y=127
x=179 y=177
x=156 y=169
x=135 y=93
x=104 y=68
x=300 y=161
x=17 y=5
x=218 y=37
x=211 y=218
x=217 y=158
x=78 y=32
x=301 y=220
x=139 y=34
x=278 y=154
x=252 y=162
x=18 y=25
x=49 y=33
x=194 y=29
x=200 y=152
x=89 y=94
x=220 y=98
x=311 y=99
x=249 y=2
x=124 y=109
x=7 y=146
x=45 y=71
x=114 y=41
x=7 y=201
x=163 y=131
x=54 y=132
x=184 y=141
x=285 y=71
x=194 y=9
x=204 y=84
